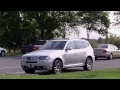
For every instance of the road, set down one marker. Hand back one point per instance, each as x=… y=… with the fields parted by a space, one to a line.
x=11 y=65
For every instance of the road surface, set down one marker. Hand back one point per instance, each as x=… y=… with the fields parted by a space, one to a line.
x=11 y=65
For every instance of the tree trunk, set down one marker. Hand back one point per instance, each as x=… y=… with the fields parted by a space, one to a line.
x=14 y=50
x=88 y=35
x=64 y=35
x=42 y=34
x=106 y=39
x=9 y=50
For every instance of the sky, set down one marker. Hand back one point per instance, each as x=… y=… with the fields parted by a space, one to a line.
x=82 y=32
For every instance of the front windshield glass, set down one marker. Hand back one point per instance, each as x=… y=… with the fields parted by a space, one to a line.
x=53 y=45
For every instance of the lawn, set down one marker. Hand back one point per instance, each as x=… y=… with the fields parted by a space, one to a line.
x=99 y=74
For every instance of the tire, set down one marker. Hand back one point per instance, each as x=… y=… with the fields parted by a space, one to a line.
x=2 y=53
x=88 y=65
x=29 y=71
x=57 y=67
x=110 y=57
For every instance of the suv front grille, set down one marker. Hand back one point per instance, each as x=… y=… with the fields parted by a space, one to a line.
x=32 y=58
x=28 y=58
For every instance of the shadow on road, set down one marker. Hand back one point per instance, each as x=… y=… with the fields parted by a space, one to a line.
x=100 y=59
x=65 y=71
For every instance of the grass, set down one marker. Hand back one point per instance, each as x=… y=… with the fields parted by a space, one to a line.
x=99 y=74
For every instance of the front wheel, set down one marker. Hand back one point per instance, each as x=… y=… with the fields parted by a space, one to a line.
x=57 y=67
x=2 y=53
x=29 y=71
x=88 y=65
x=110 y=57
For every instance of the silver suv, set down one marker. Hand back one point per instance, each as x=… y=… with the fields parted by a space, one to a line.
x=57 y=55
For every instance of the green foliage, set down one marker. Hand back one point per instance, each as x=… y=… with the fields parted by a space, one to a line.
x=9 y=26
x=114 y=40
x=98 y=74
x=95 y=21
x=117 y=18
x=93 y=43
x=18 y=27
x=28 y=26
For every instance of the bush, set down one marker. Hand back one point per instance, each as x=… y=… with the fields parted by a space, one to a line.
x=93 y=43
x=114 y=40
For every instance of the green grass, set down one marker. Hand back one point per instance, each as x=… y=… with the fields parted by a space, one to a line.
x=99 y=74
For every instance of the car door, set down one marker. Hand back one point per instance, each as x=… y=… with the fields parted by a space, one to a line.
x=80 y=51
x=70 y=54
x=117 y=51
x=112 y=50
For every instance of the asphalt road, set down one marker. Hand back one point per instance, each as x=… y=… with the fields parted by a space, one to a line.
x=11 y=65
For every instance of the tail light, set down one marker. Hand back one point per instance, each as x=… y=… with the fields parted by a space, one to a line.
x=33 y=48
x=105 y=51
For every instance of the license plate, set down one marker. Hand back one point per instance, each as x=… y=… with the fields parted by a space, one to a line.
x=31 y=65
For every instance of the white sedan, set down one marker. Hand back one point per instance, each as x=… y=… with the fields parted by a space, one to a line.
x=2 y=51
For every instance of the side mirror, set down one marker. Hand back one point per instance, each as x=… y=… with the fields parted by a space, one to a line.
x=68 y=48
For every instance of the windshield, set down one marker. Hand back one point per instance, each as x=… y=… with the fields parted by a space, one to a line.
x=103 y=46
x=53 y=45
x=39 y=42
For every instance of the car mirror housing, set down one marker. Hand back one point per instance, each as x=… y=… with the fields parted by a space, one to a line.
x=68 y=48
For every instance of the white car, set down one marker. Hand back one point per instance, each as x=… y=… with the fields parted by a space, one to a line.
x=2 y=51
x=57 y=55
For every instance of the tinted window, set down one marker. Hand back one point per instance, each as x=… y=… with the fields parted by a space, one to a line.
x=85 y=43
x=54 y=45
x=71 y=45
x=79 y=44
x=103 y=46
x=40 y=42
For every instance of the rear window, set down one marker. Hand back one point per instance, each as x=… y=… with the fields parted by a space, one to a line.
x=40 y=42
x=103 y=46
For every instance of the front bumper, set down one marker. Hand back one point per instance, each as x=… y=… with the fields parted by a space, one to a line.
x=102 y=55
x=37 y=65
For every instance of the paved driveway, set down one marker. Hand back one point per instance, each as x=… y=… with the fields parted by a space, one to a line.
x=11 y=65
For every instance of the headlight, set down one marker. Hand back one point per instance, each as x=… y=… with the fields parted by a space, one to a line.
x=44 y=57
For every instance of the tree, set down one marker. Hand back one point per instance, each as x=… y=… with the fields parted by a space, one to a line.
x=27 y=26
x=9 y=26
x=95 y=21
x=50 y=21
x=117 y=18
x=18 y=27
x=113 y=39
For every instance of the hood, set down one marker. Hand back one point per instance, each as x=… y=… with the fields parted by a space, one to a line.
x=2 y=48
x=43 y=52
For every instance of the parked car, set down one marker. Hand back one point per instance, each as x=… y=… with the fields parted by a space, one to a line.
x=2 y=51
x=106 y=51
x=57 y=55
x=26 y=48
